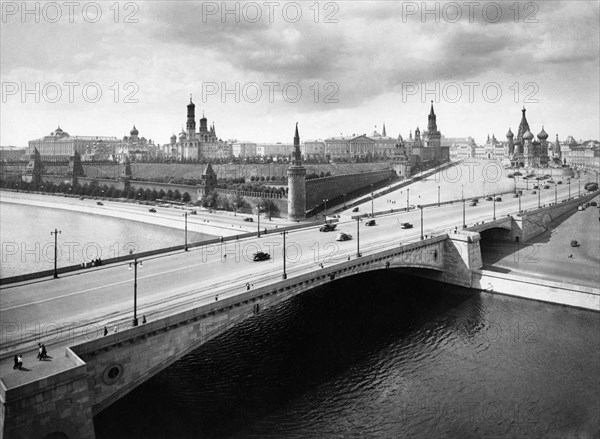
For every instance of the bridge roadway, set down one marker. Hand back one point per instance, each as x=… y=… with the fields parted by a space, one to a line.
x=65 y=310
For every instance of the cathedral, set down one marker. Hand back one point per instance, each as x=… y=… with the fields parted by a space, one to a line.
x=197 y=145
x=524 y=151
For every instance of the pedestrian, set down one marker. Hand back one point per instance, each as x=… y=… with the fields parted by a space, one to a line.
x=247 y=286
x=16 y=360
x=216 y=297
x=115 y=330
x=571 y=255
x=20 y=362
x=44 y=352
x=39 y=355
x=144 y=318
x=105 y=331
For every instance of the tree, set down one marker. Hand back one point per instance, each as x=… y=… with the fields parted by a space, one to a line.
x=186 y=198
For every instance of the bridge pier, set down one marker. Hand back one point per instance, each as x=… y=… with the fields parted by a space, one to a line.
x=57 y=406
x=462 y=256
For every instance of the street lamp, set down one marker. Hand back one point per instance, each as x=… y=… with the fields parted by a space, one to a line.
x=555 y=193
x=284 y=273
x=358 y=237
x=579 y=193
x=258 y=214
x=421 y=207
x=55 y=233
x=185 y=214
x=325 y=200
x=407 y=198
x=569 y=183
x=344 y=201
x=539 y=196
x=372 y=200
x=438 y=196
x=494 y=197
x=235 y=208
x=519 y=203
x=135 y=264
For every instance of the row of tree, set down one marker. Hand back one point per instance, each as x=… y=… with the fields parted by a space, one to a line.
x=93 y=189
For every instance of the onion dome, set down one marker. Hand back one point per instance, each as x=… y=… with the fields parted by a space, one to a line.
x=542 y=135
x=528 y=135
x=173 y=137
x=134 y=131
x=510 y=134
x=191 y=104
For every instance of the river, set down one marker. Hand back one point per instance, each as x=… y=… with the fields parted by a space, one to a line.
x=384 y=355
x=28 y=246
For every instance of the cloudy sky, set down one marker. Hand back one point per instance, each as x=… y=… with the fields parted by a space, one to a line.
x=256 y=68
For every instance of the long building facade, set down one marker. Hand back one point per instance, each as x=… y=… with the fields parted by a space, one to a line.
x=60 y=146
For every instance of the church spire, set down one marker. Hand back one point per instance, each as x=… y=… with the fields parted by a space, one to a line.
x=431 y=122
x=383 y=133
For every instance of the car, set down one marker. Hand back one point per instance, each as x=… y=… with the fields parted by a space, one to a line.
x=591 y=187
x=370 y=223
x=546 y=186
x=516 y=196
x=152 y=210
x=475 y=200
x=327 y=228
x=581 y=207
x=535 y=186
x=249 y=219
x=406 y=226
x=99 y=203
x=343 y=237
x=550 y=181
x=575 y=243
x=593 y=203
x=261 y=256
x=498 y=199
x=534 y=192
x=489 y=199
x=355 y=209
x=559 y=182
x=473 y=203
x=194 y=212
x=517 y=173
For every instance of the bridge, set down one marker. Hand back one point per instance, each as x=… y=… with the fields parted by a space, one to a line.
x=192 y=297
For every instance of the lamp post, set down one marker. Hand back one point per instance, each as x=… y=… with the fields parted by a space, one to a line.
x=372 y=199
x=235 y=208
x=421 y=207
x=579 y=193
x=344 y=201
x=519 y=203
x=135 y=264
x=438 y=196
x=185 y=247
x=358 y=237
x=539 y=196
x=258 y=214
x=325 y=200
x=407 y=198
x=284 y=273
x=555 y=193
x=494 y=197
x=569 y=183
x=55 y=233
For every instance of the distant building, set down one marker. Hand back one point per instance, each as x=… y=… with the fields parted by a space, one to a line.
x=136 y=149
x=581 y=156
x=275 y=150
x=360 y=147
x=12 y=153
x=313 y=149
x=524 y=151
x=59 y=146
x=462 y=148
x=203 y=144
x=243 y=149
x=417 y=153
